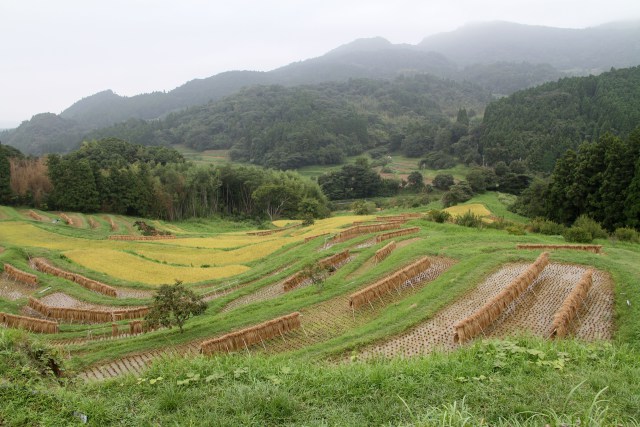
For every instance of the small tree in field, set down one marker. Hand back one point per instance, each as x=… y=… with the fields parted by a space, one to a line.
x=174 y=305
x=316 y=273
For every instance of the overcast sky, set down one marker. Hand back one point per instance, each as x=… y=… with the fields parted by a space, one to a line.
x=54 y=52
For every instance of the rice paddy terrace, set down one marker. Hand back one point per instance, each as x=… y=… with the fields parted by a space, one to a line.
x=392 y=285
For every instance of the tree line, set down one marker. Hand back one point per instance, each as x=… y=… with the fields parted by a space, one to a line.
x=114 y=176
x=600 y=179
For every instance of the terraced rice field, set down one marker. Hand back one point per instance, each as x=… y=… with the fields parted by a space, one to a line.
x=532 y=313
x=12 y=290
x=334 y=317
x=187 y=256
x=139 y=270
x=372 y=261
x=219 y=265
x=136 y=363
x=320 y=323
x=268 y=292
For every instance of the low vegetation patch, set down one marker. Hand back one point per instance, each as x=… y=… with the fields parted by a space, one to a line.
x=493 y=383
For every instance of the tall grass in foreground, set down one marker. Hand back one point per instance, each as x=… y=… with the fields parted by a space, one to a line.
x=519 y=382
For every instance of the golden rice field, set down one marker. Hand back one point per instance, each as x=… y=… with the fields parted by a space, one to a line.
x=475 y=208
x=158 y=262
x=330 y=225
x=174 y=229
x=187 y=255
x=218 y=241
x=125 y=266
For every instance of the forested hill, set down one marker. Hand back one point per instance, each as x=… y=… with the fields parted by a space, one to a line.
x=538 y=125
x=357 y=61
x=318 y=124
x=105 y=108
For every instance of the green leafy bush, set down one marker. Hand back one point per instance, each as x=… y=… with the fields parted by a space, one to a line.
x=516 y=230
x=499 y=223
x=577 y=235
x=360 y=207
x=626 y=234
x=545 y=226
x=436 y=215
x=308 y=220
x=443 y=181
x=592 y=226
x=458 y=193
x=469 y=219
x=24 y=358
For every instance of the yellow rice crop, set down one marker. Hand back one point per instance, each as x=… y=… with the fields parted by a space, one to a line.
x=108 y=256
x=330 y=225
x=187 y=255
x=220 y=241
x=129 y=267
x=24 y=234
x=475 y=208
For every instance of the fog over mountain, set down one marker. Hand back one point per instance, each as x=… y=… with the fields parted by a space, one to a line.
x=54 y=54
x=580 y=50
x=501 y=57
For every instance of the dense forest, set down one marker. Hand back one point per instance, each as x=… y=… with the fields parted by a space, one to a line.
x=600 y=180
x=114 y=176
x=538 y=125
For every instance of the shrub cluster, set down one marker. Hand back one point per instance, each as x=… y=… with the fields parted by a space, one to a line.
x=584 y=230
x=436 y=215
x=546 y=226
x=577 y=235
x=592 y=226
x=627 y=234
x=360 y=207
x=469 y=219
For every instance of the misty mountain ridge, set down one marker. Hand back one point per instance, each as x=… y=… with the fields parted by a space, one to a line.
x=499 y=56
x=582 y=51
x=444 y=55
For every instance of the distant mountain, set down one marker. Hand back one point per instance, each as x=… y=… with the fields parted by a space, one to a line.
x=364 y=60
x=501 y=57
x=580 y=51
x=105 y=108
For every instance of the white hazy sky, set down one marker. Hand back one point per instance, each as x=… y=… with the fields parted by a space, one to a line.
x=52 y=53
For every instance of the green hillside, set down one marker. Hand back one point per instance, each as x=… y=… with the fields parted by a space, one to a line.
x=288 y=128
x=538 y=125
